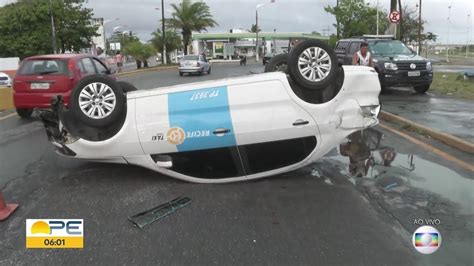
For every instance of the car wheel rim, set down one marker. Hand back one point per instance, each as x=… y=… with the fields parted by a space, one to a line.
x=314 y=64
x=97 y=100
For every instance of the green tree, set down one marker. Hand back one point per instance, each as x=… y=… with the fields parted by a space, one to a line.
x=25 y=27
x=255 y=28
x=172 y=41
x=357 y=18
x=140 y=51
x=190 y=16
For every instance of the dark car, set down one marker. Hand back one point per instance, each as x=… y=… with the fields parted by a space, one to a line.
x=394 y=62
x=39 y=78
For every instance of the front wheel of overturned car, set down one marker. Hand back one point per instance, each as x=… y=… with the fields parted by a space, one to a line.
x=97 y=101
x=278 y=63
x=422 y=89
x=24 y=112
x=312 y=64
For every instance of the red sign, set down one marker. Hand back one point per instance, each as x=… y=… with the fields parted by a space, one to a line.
x=394 y=16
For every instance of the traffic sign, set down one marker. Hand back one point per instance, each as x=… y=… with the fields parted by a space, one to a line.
x=394 y=16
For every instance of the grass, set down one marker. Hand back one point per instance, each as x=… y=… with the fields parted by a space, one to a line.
x=6 y=99
x=453 y=84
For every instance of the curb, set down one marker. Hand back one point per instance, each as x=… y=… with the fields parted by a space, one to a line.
x=448 y=139
x=150 y=69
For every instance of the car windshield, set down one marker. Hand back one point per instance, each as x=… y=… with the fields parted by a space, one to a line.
x=44 y=67
x=388 y=47
x=191 y=57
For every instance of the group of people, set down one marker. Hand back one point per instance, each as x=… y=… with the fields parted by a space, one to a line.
x=118 y=58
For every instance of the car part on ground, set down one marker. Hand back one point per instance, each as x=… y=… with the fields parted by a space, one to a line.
x=24 y=112
x=312 y=64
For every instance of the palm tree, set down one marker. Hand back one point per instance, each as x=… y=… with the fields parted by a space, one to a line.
x=172 y=40
x=255 y=28
x=189 y=17
x=139 y=51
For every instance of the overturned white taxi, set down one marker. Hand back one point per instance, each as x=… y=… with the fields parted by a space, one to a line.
x=223 y=130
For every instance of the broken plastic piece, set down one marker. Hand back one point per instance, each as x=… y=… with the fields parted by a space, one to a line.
x=387 y=188
x=147 y=217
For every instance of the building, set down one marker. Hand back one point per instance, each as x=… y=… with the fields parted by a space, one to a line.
x=238 y=42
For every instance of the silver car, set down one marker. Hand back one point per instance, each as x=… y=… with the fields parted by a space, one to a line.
x=194 y=64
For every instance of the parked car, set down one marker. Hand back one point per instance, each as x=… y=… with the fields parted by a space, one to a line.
x=5 y=80
x=267 y=57
x=40 y=77
x=394 y=62
x=224 y=130
x=194 y=64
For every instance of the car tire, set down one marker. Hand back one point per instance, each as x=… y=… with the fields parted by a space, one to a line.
x=325 y=57
x=97 y=106
x=278 y=63
x=180 y=74
x=24 y=112
x=126 y=86
x=422 y=89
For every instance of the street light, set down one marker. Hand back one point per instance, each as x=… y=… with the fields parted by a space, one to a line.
x=256 y=26
x=163 y=30
x=53 y=29
x=468 y=33
x=447 y=41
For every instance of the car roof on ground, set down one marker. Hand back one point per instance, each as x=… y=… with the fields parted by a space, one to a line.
x=58 y=56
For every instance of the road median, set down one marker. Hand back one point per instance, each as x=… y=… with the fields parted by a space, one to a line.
x=448 y=139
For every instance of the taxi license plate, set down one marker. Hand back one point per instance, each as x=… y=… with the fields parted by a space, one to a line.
x=39 y=86
x=413 y=73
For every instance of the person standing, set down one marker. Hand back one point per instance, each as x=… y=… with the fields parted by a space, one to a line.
x=363 y=57
x=119 y=61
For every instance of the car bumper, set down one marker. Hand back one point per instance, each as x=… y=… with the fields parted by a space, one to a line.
x=401 y=78
x=190 y=69
x=37 y=99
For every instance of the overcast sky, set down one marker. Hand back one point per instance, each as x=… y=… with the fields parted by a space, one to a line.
x=141 y=17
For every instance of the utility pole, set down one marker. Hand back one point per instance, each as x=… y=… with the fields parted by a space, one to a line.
x=163 y=29
x=53 y=29
x=337 y=22
x=468 y=33
x=256 y=29
x=377 y=17
x=447 y=41
x=419 y=29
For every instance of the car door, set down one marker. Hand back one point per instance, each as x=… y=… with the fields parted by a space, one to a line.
x=272 y=131
x=193 y=129
x=101 y=68
x=86 y=67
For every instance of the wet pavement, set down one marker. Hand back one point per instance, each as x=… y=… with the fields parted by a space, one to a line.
x=450 y=115
x=453 y=68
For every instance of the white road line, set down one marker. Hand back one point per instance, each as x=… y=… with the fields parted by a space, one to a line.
x=7 y=116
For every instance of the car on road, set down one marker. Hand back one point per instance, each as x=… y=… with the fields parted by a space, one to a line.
x=223 y=130
x=394 y=62
x=194 y=64
x=40 y=77
x=5 y=80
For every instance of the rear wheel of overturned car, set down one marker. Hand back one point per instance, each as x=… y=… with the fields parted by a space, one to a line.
x=24 y=112
x=97 y=101
x=422 y=89
x=312 y=64
x=278 y=63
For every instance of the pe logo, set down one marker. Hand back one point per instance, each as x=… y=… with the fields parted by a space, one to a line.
x=426 y=239
x=175 y=135
x=54 y=233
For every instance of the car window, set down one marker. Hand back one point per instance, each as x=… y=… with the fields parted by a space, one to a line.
x=100 y=67
x=388 y=47
x=191 y=57
x=44 y=67
x=87 y=67
x=354 y=48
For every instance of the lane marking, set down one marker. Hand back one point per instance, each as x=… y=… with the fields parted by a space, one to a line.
x=7 y=116
x=439 y=152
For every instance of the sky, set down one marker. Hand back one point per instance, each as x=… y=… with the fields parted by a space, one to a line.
x=142 y=18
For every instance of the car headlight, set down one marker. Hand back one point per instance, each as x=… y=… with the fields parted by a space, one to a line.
x=428 y=66
x=390 y=66
x=375 y=60
x=370 y=111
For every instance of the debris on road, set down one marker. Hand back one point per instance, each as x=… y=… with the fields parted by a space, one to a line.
x=147 y=217
x=389 y=187
x=6 y=209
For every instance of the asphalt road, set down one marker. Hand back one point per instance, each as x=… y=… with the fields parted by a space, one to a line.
x=320 y=214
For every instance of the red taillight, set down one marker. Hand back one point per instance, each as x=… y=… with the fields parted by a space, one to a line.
x=71 y=68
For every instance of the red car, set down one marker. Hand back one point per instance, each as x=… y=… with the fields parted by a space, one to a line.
x=39 y=78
